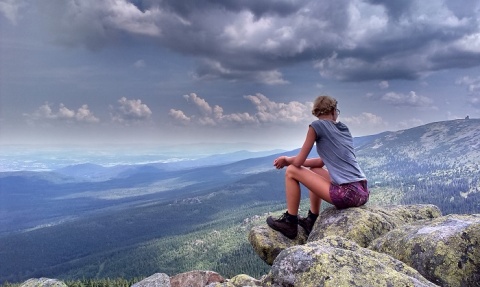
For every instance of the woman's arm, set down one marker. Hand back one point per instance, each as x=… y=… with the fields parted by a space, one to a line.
x=313 y=162
x=283 y=161
x=300 y=159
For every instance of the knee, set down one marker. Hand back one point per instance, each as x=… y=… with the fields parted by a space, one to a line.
x=291 y=171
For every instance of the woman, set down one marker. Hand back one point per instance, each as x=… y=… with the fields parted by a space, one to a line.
x=342 y=184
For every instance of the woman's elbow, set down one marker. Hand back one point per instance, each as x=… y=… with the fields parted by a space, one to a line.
x=297 y=163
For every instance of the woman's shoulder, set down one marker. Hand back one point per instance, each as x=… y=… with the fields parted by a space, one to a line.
x=323 y=122
x=328 y=125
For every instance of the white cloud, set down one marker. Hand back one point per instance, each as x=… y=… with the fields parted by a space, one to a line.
x=474 y=102
x=45 y=112
x=179 y=116
x=365 y=123
x=11 y=8
x=65 y=113
x=85 y=115
x=139 y=64
x=365 y=119
x=410 y=123
x=472 y=85
x=126 y=16
x=267 y=112
x=201 y=104
x=411 y=99
x=130 y=111
x=383 y=85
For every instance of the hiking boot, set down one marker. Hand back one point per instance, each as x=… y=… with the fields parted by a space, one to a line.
x=308 y=222
x=286 y=224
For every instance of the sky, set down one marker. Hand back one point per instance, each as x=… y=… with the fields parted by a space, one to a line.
x=172 y=72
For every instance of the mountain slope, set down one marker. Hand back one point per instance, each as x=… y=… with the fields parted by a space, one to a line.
x=437 y=163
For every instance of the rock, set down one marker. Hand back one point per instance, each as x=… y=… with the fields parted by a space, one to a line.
x=224 y=284
x=156 y=280
x=336 y=261
x=366 y=223
x=268 y=243
x=195 y=278
x=241 y=280
x=445 y=250
x=43 y=282
x=245 y=280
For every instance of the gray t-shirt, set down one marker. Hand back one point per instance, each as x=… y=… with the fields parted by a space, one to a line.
x=335 y=146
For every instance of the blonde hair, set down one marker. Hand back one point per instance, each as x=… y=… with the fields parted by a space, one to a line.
x=323 y=105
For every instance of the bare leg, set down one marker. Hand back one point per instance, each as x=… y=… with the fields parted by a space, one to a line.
x=317 y=181
x=292 y=194
x=315 y=200
x=315 y=203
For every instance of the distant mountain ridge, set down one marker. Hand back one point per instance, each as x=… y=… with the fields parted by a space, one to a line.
x=444 y=145
x=434 y=142
x=97 y=172
x=436 y=163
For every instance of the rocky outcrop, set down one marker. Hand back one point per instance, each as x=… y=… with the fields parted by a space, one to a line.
x=43 y=282
x=445 y=250
x=268 y=243
x=361 y=225
x=196 y=279
x=366 y=223
x=156 y=280
x=336 y=261
x=241 y=280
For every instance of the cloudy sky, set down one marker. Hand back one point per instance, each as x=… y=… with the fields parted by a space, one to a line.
x=227 y=71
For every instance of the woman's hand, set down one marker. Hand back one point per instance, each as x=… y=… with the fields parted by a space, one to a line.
x=280 y=162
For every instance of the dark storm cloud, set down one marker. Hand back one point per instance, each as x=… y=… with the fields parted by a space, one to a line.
x=395 y=9
x=349 y=40
x=258 y=8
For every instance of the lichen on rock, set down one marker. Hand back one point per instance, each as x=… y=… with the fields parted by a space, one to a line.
x=445 y=250
x=155 y=280
x=268 y=243
x=336 y=261
x=43 y=282
x=366 y=223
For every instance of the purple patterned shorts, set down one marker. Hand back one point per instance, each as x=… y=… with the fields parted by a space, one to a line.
x=351 y=194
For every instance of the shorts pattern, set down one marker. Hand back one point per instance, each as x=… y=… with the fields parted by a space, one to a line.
x=347 y=195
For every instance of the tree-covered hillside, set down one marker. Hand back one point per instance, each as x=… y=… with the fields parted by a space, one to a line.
x=438 y=163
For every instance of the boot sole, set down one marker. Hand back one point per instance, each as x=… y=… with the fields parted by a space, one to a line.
x=271 y=224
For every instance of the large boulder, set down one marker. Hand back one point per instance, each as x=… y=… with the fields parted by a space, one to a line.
x=241 y=280
x=445 y=250
x=196 y=278
x=268 y=243
x=359 y=224
x=336 y=261
x=156 y=280
x=245 y=280
x=43 y=282
x=366 y=223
